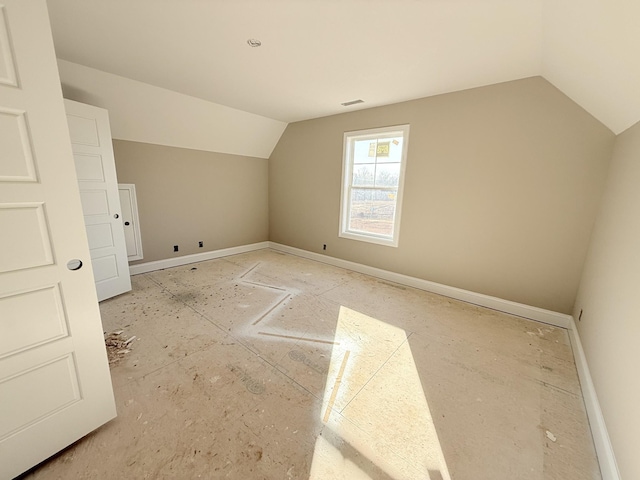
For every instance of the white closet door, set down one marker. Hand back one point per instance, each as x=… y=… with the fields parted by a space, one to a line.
x=55 y=385
x=130 y=218
x=96 y=169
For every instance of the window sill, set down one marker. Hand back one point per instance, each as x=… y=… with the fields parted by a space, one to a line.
x=363 y=237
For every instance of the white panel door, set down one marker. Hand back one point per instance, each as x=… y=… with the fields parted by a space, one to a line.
x=96 y=170
x=130 y=219
x=55 y=385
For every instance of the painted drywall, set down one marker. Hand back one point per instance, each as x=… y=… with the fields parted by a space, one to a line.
x=186 y=196
x=144 y=113
x=590 y=52
x=610 y=303
x=501 y=190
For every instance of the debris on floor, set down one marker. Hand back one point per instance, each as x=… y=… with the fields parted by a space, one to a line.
x=118 y=345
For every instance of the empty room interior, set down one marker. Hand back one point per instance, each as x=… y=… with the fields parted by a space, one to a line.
x=308 y=239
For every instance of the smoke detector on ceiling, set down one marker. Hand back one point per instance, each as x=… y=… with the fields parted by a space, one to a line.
x=254 y=42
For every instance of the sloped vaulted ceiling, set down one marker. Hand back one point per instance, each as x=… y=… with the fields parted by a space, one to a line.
x=316 y=54
x=591 y=51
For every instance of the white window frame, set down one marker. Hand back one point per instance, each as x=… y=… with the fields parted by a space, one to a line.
x=347 y=169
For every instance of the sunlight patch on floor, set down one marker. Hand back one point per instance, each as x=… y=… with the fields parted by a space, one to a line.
x=374 y=401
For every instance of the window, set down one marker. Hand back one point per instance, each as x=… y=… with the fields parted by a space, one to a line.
x=372 y=179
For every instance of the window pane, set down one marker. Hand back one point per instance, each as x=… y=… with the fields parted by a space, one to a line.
x=364 y=151
x=363 y=175
x=395 y=150
x=372 y=211
x=387 y=174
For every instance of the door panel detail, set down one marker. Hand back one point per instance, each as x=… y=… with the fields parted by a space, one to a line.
x=44 y=306
x=89 y=167
x=58 y=378
x=83 y=131
x=94 y=202
x=100 y=235
x=15 y=148
x=7 y=64
x=105 y=268
x=25 y=241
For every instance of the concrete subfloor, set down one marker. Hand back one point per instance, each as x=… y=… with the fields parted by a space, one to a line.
x=269 y=366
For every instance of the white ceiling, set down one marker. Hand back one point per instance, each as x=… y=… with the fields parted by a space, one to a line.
x=316 y=54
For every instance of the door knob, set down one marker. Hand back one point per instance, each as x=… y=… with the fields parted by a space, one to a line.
x=116 y=216
x=126 y=223
x=74 y=264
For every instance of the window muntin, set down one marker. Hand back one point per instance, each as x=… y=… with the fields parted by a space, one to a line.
x=373 y=177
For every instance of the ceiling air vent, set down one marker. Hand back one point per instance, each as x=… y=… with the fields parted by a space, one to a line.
x=352 y=102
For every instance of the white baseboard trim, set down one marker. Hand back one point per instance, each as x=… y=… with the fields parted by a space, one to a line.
x=604 y=449
x=196 y=257
x=513 y=308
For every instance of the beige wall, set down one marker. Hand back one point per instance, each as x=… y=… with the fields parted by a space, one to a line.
x=185 y=196
x=609 y=298
x=501 y=190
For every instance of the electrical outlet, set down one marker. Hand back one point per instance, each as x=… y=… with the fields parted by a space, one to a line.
x=201 y=244
x=324 y=246
x=175 y=248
